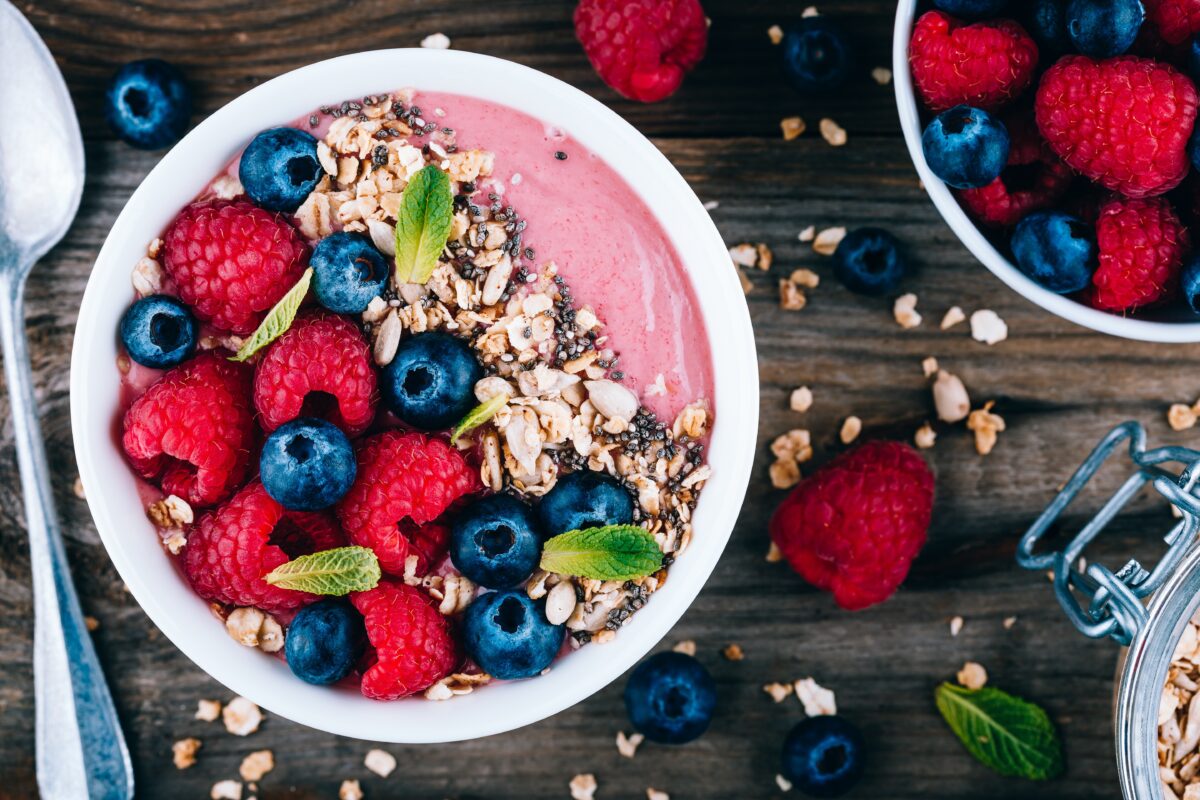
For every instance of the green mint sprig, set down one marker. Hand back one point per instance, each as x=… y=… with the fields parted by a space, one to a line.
x=611 y=553
x=331 y=572
x=278 y=319
x=1010 y=735
x=423 y=224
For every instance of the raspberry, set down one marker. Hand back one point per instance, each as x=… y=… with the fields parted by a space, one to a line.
x=1123 y=122
x=233 y=546
x=193 y=430
x=983 y=65
x=320 y=367
x=1142 y=246
x=855 y=526
x=404 y=481
x=428 y=543
x=412 y=641
x=642 y=48
x=1176 y=21
x=231 y=261
x=1034 y=179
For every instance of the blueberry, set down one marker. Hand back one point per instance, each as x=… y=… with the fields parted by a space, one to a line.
x=868 y=261
x=1191 y=282
x=1193 y=59
x=430 y=384
x=325 y=641
x=816 y=57
x=670 y=698
x=823 y=756
x=584 y=499
x=158 y=331
x=148 y=104
x=1047 y=23
x=307 y=464
x=971 y=8
x=348 y=272
x=1104 y=28
x=495 y=542
x=508 y=636
x=1055 y=249
x=965 y=147
x=279 y=168
x=1194 y=147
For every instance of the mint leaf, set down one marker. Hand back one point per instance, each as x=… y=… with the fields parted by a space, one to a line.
x=611 y=553
x=338 y=571
x=278 y=319
x=423 y=224
x=478 y=415
x=1010 y=735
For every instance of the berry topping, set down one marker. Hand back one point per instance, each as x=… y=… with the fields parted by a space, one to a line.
x=670 y=698
x=148 y=104
x=965 y=147
x=1048 y=25
x=158 y=332
x=495 y=543
x=307 y=464
x=348 y=272
x=320 y=367
x=1142 y=245
x=868 y=261
x=404 y=481
x=584 y=499
x=1055 y=249
x=192 y=430
x=279 y=168
x=1191 y=283
x=1104 y=28
x=854 y=527
x=412 y=642
x=232 y=261
x=508 y=636
x=1175 y=21
x=642 y=48
x=815 y=55
x=325 y=641
x=823 y=756
x=430 y=384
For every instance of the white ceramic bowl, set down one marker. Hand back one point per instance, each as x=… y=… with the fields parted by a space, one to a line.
x=1156 y=325
x=111 y=490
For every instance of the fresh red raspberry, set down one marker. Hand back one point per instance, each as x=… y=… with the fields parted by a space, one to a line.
x=428 y=543
x=1175 y=21
x=984 y=64
x=233 y=546
x=231 y=261
x=1123 y=122
x=404 y=480
x=1142 y=246
x=642 y=48
x=192 y=431
x=411 y=639
x=1034 y=179
x=321 y=367
x=856 y=525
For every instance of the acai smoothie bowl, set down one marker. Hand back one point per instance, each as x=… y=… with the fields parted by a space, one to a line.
x=413 y=395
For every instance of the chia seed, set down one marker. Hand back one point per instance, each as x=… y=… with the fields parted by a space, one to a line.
x=560 y=155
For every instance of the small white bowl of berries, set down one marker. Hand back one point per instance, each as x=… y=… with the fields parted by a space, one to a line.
x=1056 y=139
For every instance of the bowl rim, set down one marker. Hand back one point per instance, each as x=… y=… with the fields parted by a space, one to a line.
x=165 y=596
x=970 y=235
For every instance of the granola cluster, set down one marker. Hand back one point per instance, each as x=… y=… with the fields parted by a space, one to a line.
x=1179 y=719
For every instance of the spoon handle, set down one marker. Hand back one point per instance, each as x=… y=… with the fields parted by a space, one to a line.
x=80 y=750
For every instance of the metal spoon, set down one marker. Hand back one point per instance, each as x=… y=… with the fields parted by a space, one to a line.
x=80 y=750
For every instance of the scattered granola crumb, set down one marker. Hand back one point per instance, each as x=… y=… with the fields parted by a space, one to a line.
x=712 y=205
x=226 y=790
x=381 y=762
x=986 y=426
x=1181 y=417
x=811 y=11
x=806 y=278
x=655 y=794
x=851 y=428
x=779 y=691
x=733 y=652
x=91 y=623
x=783 y=783
x=687 y=647
x=833 y=133
x=436 y=41
x=583 y=787
x=241 y=717
x=826 y=241
x=956 y=625
x=775 y=34
x=785 y=473
x=744 y=254
x=905 y=311
x=954 y=316
x=790 y=296
x=208 y=710
x=77 y=488
x=774 y=554
x=183 y=752
x=350 y=790
x=256 y=765
x=882 y=75
x=792 y=127
x=801 y=399
x=628 y=745
x=808 y=234
x=987 y=327
x=972 y=676
x=950 y=397
x=925 y=437
x=747 y=286
x=929 y=366
x=765 y=257
x=817 y=700
x=1009 y=622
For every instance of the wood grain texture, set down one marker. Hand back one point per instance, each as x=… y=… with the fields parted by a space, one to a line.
x=1058 y=386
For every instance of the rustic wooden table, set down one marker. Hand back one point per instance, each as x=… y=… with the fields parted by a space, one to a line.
x=1058 y=386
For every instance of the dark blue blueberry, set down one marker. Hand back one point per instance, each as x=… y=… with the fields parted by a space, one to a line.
x=1047 y=23
x=348 y=272
x=325 y=641
x=158 y=331
x=584 y=499
x=148 y=104
x=508 y=636
x=868 y=261
x=1055 y=249
x=307 y=464
x=816 y=57
x=1193 y=59
x=670 y=698
x=1104 y=28
x=824 y=756
x=495 y=542
x=430 y=384
x=1191 y=282
x=965 y=147
x=1194 y=147
x=279 y=168
x=971 y=8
